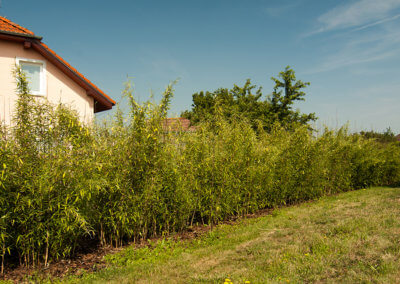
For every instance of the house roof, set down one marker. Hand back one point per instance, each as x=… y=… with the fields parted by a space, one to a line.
x=14 y=32
x=177 y=124
x=8 y=26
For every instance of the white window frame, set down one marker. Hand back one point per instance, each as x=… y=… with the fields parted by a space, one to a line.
x=42 y=64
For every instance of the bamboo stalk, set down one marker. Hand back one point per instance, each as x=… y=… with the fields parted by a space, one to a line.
x=102 y=240
x=2 y=260
x=47 y=250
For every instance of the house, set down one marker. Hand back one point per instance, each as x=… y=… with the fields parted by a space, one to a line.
x=49 y=75
x=177 y=124
x=398 y=137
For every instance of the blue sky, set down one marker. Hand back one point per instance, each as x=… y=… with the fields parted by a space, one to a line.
x=348 y=50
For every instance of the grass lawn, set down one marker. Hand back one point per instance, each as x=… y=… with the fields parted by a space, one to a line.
x=351 y=237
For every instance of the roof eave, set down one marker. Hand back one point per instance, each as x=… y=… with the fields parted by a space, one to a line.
x=101 y=102
x=23 y=35
x=105 y=103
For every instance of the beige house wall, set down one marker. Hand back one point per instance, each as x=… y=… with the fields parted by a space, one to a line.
x=59 y=87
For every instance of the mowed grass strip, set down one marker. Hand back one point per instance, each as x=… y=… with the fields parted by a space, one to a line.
x=351 y=237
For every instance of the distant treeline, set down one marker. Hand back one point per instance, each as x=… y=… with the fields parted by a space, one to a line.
x=385 y=137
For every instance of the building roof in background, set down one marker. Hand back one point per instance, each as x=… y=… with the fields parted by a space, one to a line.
x=178 y=124
x=13 y=31
x=398 y=137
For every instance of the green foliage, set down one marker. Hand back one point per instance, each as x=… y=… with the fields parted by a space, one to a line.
x=64 y=183
x=238 y=100
x=246 y=102
x=41 y=216
x=385 y=137
x=308 y=243
x=285 y=94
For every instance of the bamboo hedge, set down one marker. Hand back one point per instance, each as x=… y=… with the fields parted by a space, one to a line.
x=64 y=183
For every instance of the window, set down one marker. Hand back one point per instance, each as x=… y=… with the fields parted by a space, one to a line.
x=35 y=71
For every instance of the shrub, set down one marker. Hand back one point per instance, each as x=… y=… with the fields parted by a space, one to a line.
x=64 y=183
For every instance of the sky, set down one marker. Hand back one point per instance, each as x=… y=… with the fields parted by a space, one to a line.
x=348 y=50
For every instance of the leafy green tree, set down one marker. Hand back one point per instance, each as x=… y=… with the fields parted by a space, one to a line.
x=286 y=92
x=241 y=100
x=247 y=102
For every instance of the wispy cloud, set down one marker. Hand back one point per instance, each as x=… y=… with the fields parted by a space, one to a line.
x=369 y=48
x=358 y=49
x=351 y=40
x=337 y=61
x=361 y=14
x=389 y=19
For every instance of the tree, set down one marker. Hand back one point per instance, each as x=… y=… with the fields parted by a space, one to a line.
x=238 y=100
x=385 y=137
x=285 y=94
x=247 y=102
